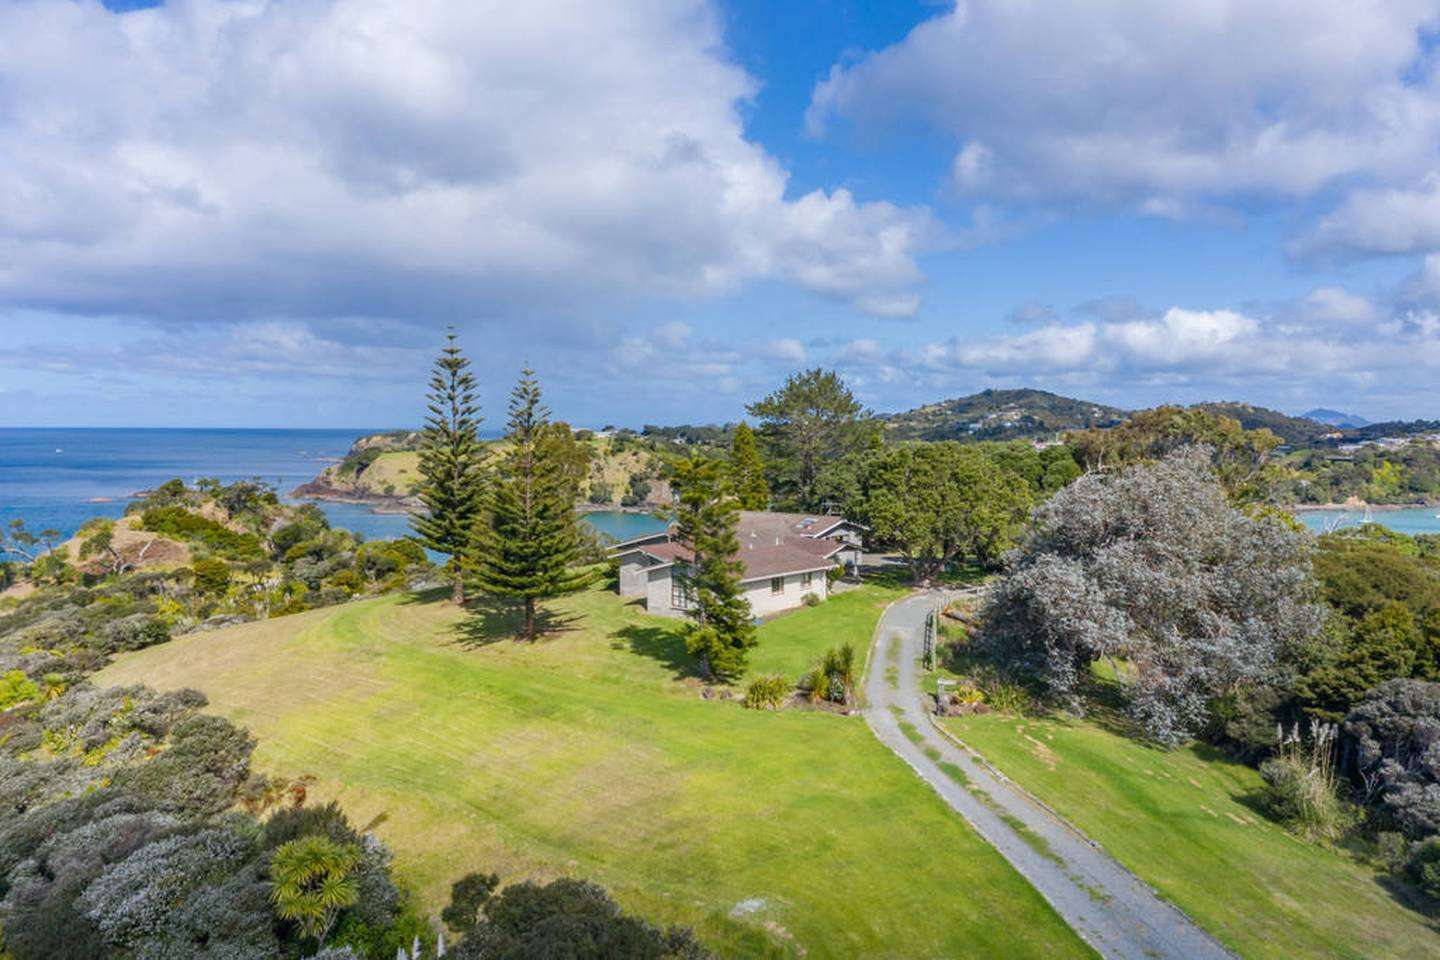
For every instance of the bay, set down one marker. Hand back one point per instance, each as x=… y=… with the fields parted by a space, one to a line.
x=59 y=478
x=1411 y=520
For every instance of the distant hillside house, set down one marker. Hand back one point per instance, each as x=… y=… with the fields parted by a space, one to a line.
x=785 y=556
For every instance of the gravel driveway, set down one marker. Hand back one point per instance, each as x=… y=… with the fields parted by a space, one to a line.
x=1107 y=905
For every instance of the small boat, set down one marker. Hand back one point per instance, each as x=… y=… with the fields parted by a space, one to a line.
x=59 y=449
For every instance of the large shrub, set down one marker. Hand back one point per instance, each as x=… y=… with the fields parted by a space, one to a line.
x=568 y=918
x=1302 y=789
x=1396 y=730
x=1154 y=567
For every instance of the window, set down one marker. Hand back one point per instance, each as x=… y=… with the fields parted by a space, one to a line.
x=680 y=596
x=777 y=584
x=806 y=578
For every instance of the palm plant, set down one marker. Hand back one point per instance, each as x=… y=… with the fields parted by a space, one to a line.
x=313 y=880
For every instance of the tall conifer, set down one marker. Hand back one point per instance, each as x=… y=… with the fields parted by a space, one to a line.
x=451 y=485
x=747 y=470
x=720 y=632
x=528 y=545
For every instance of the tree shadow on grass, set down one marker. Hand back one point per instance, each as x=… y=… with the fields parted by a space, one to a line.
x=665 y=646
x=490 y=619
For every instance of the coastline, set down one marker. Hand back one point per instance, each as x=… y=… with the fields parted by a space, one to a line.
x=1360 y=506
x=379 y=503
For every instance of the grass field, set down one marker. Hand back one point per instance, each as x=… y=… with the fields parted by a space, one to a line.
x=1180 y=821
x=592 y=754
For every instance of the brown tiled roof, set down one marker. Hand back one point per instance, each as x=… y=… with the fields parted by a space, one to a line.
x=762 y=558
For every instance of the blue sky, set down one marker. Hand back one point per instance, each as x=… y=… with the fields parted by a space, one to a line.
x=266 y=214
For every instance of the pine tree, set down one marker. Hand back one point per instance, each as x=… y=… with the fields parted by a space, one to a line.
x=720 y=632
x=747 y=470
x=529 y=544
x=452 y=483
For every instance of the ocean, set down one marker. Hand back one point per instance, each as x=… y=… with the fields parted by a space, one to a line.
x=59 y=478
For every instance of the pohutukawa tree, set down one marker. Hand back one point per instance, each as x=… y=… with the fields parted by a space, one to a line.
x=528 y=544
x=747 y=470
x=1153 y=568
x=720 y=631
x=452 y=480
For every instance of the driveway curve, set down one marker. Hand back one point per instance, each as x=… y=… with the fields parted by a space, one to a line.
x=1109 y=907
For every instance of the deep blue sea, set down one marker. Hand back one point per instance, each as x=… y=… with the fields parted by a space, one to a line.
x=58 y=479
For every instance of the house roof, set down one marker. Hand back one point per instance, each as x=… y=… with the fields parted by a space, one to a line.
x=761 y=558
x=764 y=524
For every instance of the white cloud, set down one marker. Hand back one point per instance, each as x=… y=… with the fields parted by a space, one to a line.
x=787 y=349
x=1388 y=220
x=1158 y=106
x=403 y=158
x=1329 y=346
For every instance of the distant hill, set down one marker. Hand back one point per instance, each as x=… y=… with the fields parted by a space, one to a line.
x=999 y=415
x=1294 y=430
x=1335 y=418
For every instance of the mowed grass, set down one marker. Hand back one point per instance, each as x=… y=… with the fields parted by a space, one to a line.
x=592 y=754
x=1180 y=821
x=790 y=644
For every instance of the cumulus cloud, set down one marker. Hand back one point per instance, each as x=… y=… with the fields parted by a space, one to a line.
x=1157 y=106
x=1331 y=344
x=403 y=158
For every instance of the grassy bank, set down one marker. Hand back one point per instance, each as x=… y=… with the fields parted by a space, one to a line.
x=591 y=753
x=1184 y=821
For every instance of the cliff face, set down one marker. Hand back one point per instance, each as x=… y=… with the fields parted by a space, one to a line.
x=383 y=470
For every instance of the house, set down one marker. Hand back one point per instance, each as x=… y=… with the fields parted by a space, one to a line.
x=784 y=555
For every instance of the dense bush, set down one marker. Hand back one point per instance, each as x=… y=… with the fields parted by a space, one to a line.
x=1396 y=731
x=568 y=918
x=833 y=677
x=177 y=523
x=1153 y=566
x=134 y=632
x=768 y=692
x=1424 y=867
x=1301 y=787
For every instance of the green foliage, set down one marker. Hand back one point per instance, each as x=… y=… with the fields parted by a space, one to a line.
x=313 y=879
x=468 y=897
x=768 y=692
x=833 y=676
x=569 y=918
x=528 y=543
x=1240 y=457
x=747 y=470
x=938 y=503
x=212 y=577
x=1382 y=646
x=720 y=632
x=1424 y=867
x=812 y=418
x=1302 y=790
x=452 y=484
x=17 y=688
x=177 y=523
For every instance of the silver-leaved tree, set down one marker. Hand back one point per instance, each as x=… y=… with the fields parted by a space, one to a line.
x=1154 y=570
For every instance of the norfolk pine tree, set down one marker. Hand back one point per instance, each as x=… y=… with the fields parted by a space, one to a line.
x=720 y=632
x=452 y=483
x=528 y=545
x=747 y=470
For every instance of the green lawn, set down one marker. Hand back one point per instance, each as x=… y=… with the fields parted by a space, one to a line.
x=1180 y=821
x=790 y=644
x=593 y=754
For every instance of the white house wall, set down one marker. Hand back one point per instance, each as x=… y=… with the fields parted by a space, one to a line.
x=763 y=601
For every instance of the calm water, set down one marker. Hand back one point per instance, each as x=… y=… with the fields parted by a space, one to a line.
x=1411 y=520
x=50 y=478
